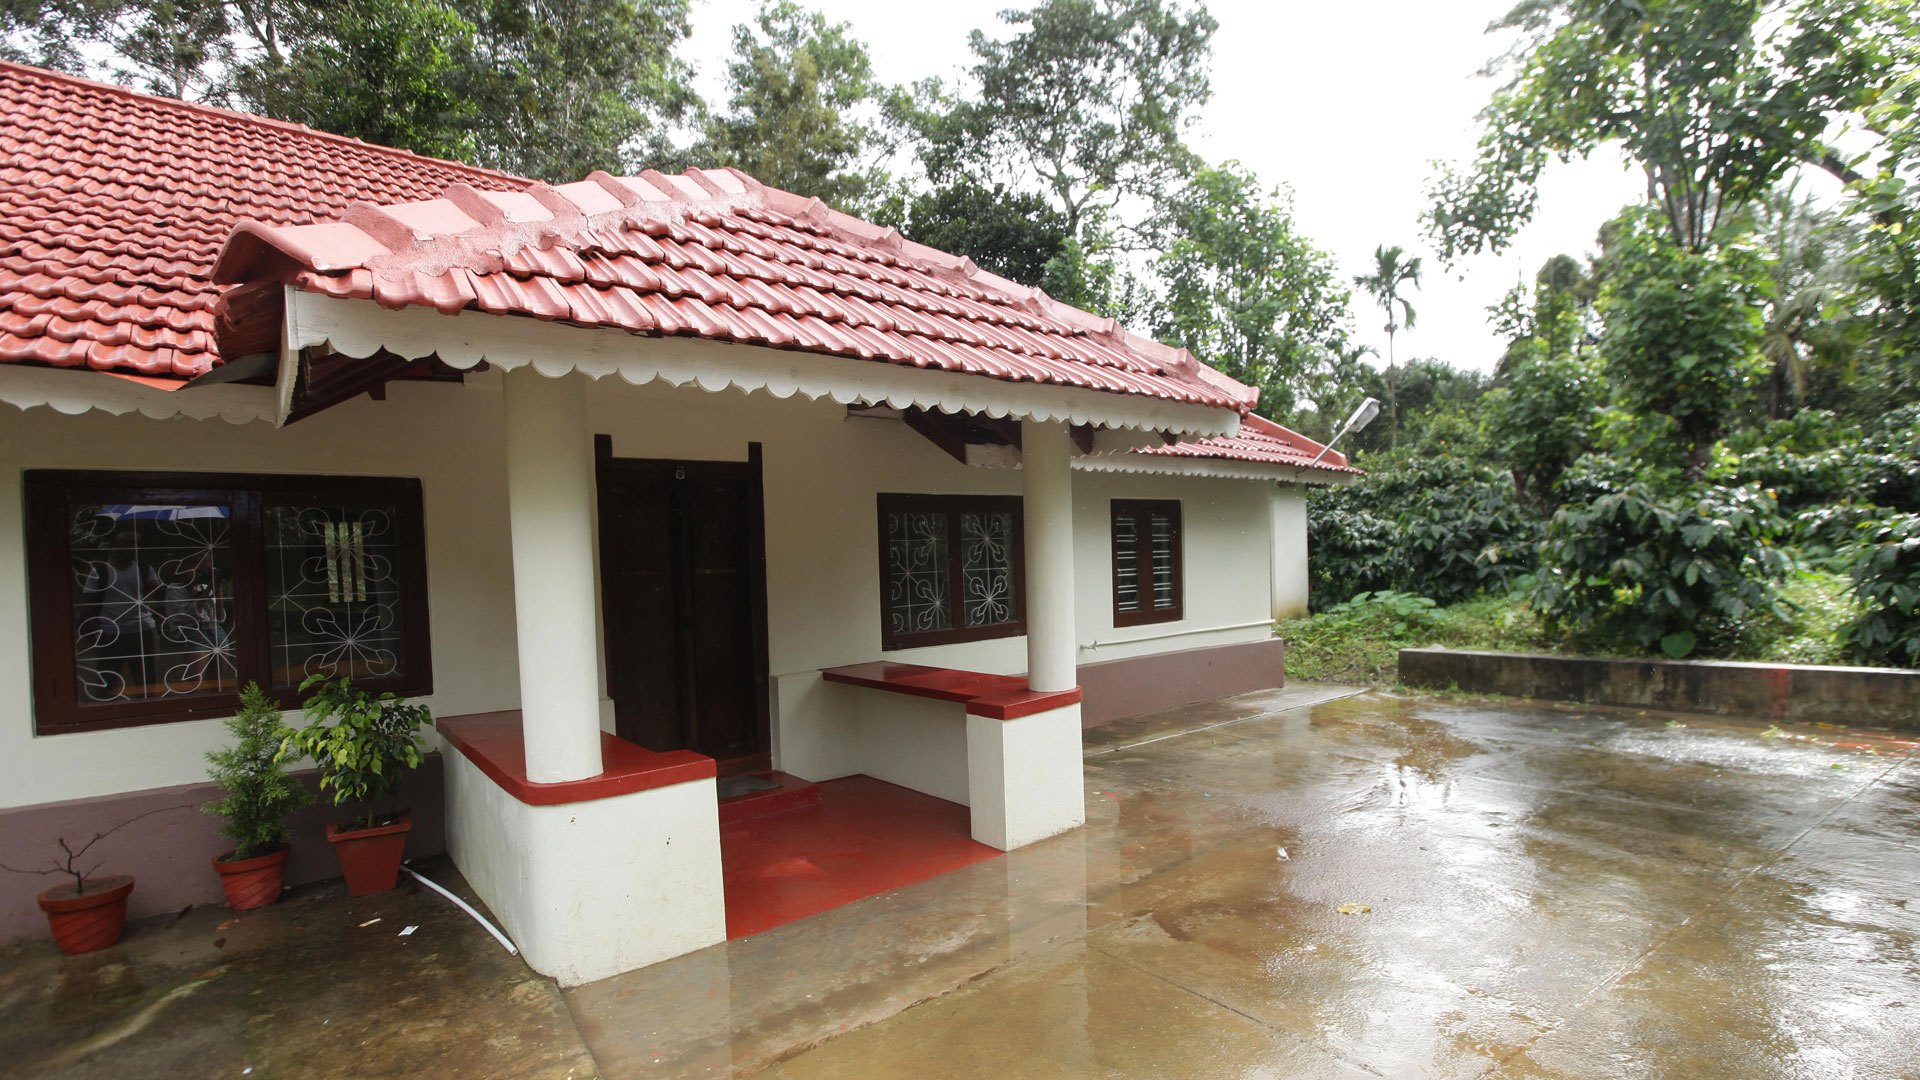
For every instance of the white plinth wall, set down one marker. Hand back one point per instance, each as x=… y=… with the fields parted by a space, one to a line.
x=591 y=889
x=1024 y=777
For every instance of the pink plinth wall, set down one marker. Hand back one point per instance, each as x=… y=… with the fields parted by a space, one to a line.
x=1144 y=684
x=169 y=854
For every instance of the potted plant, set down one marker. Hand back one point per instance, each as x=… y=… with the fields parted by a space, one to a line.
x=259 y=796
x=89 y=913
x=366 y=745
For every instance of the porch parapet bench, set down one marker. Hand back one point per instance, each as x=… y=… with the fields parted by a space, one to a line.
x=495 y=744
x=1023 y=764
x=590 y=877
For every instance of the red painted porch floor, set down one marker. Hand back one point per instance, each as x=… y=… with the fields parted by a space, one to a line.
x=864 y=837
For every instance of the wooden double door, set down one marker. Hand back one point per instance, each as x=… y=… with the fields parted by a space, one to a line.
x=683 y=594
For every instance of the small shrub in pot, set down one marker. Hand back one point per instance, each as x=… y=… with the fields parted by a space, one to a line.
x=259 y=795
x=366 y=745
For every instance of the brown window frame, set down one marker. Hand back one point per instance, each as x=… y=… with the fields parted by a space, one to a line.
x=1141 y=511
x=953 y=506
x=49 y=494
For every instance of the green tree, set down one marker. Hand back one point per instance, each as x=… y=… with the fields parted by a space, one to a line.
x=171 y=47
x=1392 y=271
x=795 y=83
x=1540 y=419
x=1713 y=99
x=1087 y=103
x=1682 y=331
x=546 y=88
x=1010 y=233
x=1244 y=290
x=565 y=87
x=380 y=70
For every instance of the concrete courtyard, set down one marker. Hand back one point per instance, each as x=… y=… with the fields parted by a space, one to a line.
x=1289 y=884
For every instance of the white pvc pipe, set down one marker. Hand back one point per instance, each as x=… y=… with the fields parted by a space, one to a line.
x=464 y=906
x=550 y=496
x=1046 y=465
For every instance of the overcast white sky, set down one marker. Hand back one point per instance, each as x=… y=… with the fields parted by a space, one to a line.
x=1345 y=102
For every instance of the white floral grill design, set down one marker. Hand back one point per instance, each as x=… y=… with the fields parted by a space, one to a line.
x=152 y=600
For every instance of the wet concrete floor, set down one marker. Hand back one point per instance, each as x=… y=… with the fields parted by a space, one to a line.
x=318 y=986
x=1267 y=887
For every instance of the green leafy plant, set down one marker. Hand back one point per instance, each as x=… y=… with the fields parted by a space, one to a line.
x=1435 y=526
x=1682 y=333
x=1688 y=573
x=259 y=793
x=1541 y=419
x=364 y=744
x=1886 y=580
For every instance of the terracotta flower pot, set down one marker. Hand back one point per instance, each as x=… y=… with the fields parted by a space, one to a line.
x=370 y=857
x=85 y=921
x=252 y=883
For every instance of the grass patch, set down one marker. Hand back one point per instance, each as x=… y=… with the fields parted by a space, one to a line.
x=1360 y=641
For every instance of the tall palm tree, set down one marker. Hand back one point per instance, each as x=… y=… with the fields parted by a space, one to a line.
x=1391 y=270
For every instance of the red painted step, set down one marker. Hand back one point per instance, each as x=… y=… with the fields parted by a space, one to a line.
x=792 y=793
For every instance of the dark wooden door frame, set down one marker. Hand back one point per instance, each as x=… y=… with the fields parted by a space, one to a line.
x=757 y=593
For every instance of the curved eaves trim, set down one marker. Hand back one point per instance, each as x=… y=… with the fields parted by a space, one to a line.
x=360 y=328
x=1224 y=470
x=73 y=391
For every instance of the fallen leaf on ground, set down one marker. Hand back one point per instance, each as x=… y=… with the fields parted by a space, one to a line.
x=228 y=925
x=1354 y=909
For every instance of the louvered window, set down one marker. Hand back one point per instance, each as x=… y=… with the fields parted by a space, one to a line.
x=1146 y=561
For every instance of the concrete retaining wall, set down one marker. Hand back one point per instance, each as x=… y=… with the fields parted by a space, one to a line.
x=1784 y=693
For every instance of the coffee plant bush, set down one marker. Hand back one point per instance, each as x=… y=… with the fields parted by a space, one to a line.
x=1684 y=574
x=1436 y=526
x=1886 y=581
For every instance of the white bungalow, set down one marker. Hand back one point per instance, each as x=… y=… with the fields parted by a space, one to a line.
x=645 y=485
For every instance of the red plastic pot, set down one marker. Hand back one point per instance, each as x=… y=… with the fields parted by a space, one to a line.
x=252 y=883
x=85 y=921
x=370 y=858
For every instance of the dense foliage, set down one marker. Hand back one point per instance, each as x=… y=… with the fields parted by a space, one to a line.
x=1682 y=334
x=796 y=82
x=258 y=794
x=1886 y=578
x=1678 y=573
x=1440 y=527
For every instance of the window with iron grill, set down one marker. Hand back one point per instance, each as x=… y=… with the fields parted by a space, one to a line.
x=157 y=597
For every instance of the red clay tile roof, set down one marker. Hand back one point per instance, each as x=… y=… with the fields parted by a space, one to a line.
x=113 y=206
x=1259 y=441
x=715 y=254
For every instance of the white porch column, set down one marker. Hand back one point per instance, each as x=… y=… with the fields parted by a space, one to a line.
x=550 y=493
x=1046 y=456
